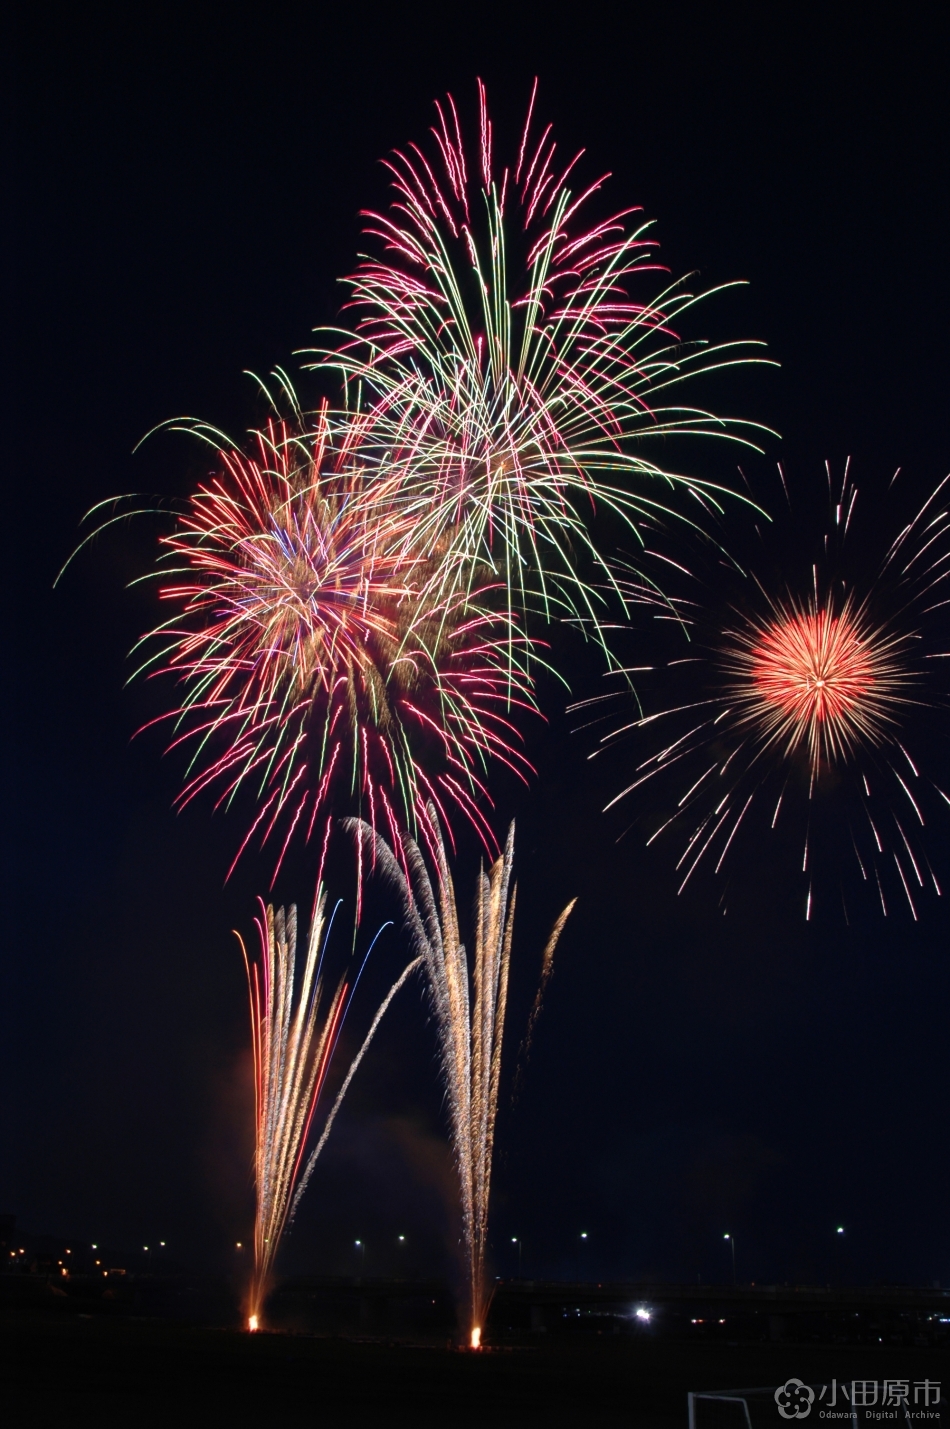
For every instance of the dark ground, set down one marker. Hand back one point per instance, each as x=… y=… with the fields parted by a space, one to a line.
x=61 y=1368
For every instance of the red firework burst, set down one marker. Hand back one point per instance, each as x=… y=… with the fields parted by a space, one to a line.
x=807 y=676
x=307 y=659
x=820 y=714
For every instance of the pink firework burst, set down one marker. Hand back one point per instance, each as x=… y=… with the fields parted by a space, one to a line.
x=311 y=665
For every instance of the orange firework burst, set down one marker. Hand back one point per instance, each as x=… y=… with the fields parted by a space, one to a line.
x=807 y=676
x=818 y=711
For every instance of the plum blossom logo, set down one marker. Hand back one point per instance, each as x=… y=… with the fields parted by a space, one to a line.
x=794 y=1399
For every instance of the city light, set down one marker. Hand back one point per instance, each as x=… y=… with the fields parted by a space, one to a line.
x=642 y=1313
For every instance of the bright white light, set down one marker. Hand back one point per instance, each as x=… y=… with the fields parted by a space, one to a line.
x=841 y=1230
x=643 y=1313
x=401 y=1238
x=727 y=1236
x=583 y=1235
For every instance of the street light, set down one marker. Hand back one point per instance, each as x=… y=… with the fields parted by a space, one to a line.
x=581 y=1239
x=732 y=1246
x=361 y=1247
x=516 y=1240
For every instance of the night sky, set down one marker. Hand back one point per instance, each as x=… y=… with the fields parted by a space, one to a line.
x=187 y=184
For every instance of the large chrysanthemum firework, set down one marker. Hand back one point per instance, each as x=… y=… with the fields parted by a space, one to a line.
x=511 y=367
x=810 y=713
x=312 y=663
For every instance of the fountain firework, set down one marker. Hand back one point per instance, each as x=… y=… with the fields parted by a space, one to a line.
x=470 y=1021
x=295 y=1030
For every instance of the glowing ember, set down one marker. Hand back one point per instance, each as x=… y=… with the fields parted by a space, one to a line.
x=476 y=1341
x=253 y=1323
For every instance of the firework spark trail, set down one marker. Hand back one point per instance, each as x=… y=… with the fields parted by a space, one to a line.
x=469 y=1002
x=505 y=369
x=817 y=694
x=294 y=1037
x=381 y=1011
x=547 y=969
x=311 y=663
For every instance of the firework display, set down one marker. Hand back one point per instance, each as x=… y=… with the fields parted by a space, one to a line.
x=804 y=707
x=513 y=368
x=296 y=1023
x=512 y=503
x=808 y=677
x=355 y=590
x=311 y=661
x=470 y=1019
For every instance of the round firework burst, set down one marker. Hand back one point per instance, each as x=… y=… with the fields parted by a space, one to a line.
x=311 y=664
x=511 y=366
x=814 y=712
x=810 y=677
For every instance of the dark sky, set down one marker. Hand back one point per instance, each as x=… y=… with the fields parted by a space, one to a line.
x=186 y=187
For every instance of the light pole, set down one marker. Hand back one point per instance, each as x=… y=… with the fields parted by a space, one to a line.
x=516 y=1240
x=732 y=1246
x=361 y=1247
x=581 y=1242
